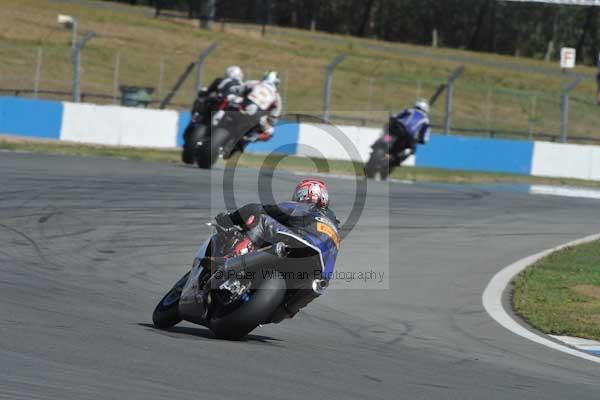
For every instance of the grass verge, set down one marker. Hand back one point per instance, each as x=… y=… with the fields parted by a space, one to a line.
x=297 y=164
x=560 y=294
x=376 y=78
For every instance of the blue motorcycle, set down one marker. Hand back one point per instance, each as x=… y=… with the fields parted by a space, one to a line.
x=233 y=287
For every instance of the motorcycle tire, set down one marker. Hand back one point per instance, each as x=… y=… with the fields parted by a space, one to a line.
x=263 y=302
x=370 y=168
x=166 y=313
x=378 y=164
x=208 y=153
x=189 y=146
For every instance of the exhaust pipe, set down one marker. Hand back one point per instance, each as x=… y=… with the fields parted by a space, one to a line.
x=319 y=286
x=258 y=259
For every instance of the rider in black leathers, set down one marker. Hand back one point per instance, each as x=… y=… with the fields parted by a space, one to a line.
x=232 y=84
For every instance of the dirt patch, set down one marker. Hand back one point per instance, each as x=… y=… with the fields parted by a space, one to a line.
x=592 y=291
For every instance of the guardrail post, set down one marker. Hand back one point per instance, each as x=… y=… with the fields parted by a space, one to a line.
x=38 y=71
x=564 y=108
x=449 y=94
x=203 y=54
x=327 y=84
x=77 y=63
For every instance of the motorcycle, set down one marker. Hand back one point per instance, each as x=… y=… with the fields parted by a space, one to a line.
x=380 y=160
x=233 y=287
x=233 y=126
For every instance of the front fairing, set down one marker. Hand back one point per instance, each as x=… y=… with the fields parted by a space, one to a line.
x=328 y=250
x=385 y=141
x=325 y=241
x=191 y=305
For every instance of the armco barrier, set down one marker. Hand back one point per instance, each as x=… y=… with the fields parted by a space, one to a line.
x=123 y=126
x=566 y=161
x=32 y=118
x=476 y=154
x=285 y=141
x=113 y=125
x=338 y=142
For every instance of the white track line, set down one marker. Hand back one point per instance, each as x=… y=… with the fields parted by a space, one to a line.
x=492 y=300
x=565 y=191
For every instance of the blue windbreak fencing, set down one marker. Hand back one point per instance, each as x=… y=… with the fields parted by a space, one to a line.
x=28 y=117
x=284 y=141
x=476 y=154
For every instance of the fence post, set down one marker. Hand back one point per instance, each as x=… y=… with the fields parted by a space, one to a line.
x=77 y=63
x=564 y=105
x=449 y=93
x=38 y=71
x=161 y=74
x=532 y=114
x=203 y=54
x=488 y=110
x=327 y=84
x=116 y=76
x=370 y=94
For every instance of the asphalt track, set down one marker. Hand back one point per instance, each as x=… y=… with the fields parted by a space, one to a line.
x=89 y=245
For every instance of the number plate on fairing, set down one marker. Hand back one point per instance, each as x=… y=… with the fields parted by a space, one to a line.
x=330 y=232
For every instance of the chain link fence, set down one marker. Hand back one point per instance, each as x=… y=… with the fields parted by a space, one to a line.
x=478 y=109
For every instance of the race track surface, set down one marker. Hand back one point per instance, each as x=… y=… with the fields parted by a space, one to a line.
x=89 y=245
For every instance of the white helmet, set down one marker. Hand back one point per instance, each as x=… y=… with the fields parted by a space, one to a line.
x=423 y=105
x=271 y=77
x=234 y=72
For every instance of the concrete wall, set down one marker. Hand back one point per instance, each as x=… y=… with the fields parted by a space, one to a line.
x=114 y=125
x=31 y=118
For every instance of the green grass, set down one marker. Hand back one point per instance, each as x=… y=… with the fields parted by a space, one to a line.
x=486 y=96
x=560 y=294
x=297 y=164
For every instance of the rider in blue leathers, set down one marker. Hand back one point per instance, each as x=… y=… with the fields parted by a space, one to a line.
x=410 y=127
x=307 y=214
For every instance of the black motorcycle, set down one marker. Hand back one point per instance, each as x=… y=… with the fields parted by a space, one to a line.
x=233 y=287
x=234 y=125
x=381 y=161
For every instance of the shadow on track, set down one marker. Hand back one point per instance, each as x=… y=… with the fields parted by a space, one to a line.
x=178 y=331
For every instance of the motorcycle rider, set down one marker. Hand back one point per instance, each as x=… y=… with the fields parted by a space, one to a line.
x=265 y=94
x=411 y=127
x=231 y=83
x=308 y=212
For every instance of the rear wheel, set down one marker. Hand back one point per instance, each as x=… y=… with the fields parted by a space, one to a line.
x=370 y=169
x=208 y=153
x=166 y=313
x=263 y=302
x=378 y=164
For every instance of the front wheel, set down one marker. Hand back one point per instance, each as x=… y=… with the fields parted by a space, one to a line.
x=208 y=153
x=378 y=164
x=259 y=309
x=191 y=138
x=166 y=313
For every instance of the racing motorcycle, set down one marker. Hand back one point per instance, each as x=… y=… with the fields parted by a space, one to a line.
x=232 y=127
x=380 y=160
x=233 y=286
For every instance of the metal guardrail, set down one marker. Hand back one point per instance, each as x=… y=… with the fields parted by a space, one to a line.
x=84 y=95
x=492 y=133
x=315 y=118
